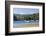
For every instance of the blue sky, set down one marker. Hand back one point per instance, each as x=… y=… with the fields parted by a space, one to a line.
x=25 y=10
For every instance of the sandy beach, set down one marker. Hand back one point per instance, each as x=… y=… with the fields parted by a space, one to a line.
x=25 y=25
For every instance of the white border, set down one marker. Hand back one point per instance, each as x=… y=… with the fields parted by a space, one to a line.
x=25 y=29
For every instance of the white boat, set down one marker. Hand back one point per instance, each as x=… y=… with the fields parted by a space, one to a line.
x=26 y=21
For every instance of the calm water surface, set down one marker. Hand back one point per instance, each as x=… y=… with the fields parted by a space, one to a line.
x=26 y=22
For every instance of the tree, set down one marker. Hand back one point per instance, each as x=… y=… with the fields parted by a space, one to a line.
x=14 y=17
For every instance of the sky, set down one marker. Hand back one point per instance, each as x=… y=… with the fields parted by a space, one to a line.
x=25 y=10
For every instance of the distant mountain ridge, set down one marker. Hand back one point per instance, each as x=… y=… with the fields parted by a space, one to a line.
x=24 y=14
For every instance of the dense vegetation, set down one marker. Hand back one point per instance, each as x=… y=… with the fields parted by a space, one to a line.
x=27 y=17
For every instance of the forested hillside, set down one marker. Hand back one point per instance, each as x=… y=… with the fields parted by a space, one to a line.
x=26 y=17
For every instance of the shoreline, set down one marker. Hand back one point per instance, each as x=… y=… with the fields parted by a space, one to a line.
x=25 y=25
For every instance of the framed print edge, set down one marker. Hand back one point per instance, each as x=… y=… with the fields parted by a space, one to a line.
x=7 y=13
